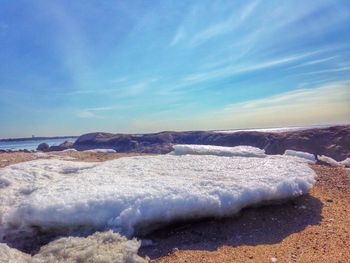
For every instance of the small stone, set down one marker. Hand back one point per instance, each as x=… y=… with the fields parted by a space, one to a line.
x=273 y=260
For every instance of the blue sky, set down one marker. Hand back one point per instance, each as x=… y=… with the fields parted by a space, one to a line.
x=70 y=67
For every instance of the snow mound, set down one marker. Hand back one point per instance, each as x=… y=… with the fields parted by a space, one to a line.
x=69 y=150
x=40 y=154
x=304 y=155
x=328 y=160
x=244 y=151
x=99 y=247
x=101 y=151
x=137 y=194
x=346 y=162
x=11 y=255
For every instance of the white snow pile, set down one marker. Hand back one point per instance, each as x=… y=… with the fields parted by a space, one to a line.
x=243 y=151
x=346 y=162
x=304 y=155
x=69 y=150
x=40 y=154
x=101 y=151
x=328 y=160
x=136 y=194
x=99 y=247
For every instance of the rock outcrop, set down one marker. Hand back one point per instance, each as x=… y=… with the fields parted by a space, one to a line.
x=43 y=147
x=63 y=146
x=333 y=141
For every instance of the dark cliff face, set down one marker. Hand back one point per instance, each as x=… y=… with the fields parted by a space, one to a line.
x=333 y=141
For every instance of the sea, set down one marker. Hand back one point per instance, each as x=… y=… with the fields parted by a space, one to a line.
x=32 y=144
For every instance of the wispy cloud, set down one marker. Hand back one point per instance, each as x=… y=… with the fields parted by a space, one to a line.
x=314 y=62
x=98 y=112
x=248 y=10
x=180 y=35
x=85 y=114
x=331 y=70
x=225 y=26
x=328 y=103
x=241 y=69
x=325 y=104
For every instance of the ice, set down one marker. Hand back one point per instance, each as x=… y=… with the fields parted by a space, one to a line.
x=304 y=155
x=99 y=247
x=40 y=154
x=101 y=151
x=244 y=151
x=69 y=150
x=138 y=194
x=346 y=162
x=328 y=160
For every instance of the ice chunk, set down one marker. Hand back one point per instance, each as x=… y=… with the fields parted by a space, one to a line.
x=136 y=194
x=346 y=162
x=69 y=150
x=328 y=160
x=99 y=247
x=244 y=151
x=101 y=151
x=304 y=155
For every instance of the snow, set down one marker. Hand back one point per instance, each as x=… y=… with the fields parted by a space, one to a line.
x=40 y=154
x=346 y=162
x=328 y=160
x=244 y=151
x=101 y=151
x=304 y=155
x=134 y=195
x=69 y=150
x=99 y=247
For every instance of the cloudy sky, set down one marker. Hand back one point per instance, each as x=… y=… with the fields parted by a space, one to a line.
x=70 y=67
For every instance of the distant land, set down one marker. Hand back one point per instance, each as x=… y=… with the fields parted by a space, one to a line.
x=37 y=138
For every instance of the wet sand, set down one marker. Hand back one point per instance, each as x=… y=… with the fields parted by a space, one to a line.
x=311 y=228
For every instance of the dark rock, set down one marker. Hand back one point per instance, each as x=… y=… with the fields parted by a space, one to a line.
x=26 y=151
x=63 y=146
x=43 y=147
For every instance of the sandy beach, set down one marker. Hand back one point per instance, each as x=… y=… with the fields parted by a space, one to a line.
x=311 y=228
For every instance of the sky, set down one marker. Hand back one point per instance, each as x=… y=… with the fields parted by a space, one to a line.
x=72 y=67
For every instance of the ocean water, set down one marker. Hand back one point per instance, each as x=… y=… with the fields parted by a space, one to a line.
x=31 y=144
x=277 y=130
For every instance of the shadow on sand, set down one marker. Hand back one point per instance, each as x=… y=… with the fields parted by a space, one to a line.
x=253 y=226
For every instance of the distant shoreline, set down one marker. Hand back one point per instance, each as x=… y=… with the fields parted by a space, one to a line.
x=36 y=138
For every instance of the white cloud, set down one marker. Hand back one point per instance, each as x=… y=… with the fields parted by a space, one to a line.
x=225 y=26
x=346 y=68
x=240 y=69
x=180 y=35
x=85 y=114
x=318 y=61
x=248 y=10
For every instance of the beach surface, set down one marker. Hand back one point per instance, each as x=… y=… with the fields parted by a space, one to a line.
x=310 y=228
